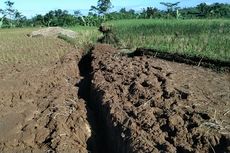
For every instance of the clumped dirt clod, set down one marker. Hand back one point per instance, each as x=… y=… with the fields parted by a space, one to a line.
x=152 y=105
x=44 y=113
x=105 y=101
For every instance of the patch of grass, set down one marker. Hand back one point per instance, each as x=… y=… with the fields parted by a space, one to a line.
x=204 y=38
x=85 y=35
x=16 y=47
x=70 y=40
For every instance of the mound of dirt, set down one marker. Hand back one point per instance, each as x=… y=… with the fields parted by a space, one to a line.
x=53 y=32
x=151 y=105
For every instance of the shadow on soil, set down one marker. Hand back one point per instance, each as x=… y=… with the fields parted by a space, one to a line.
x=106 y=138
x=97 y=142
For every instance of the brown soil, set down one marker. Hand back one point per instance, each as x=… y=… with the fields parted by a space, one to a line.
x=152 y=105
x=106 y=102
x=40 y=110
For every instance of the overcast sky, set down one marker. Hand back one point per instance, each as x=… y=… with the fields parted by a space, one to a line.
x=33 y=7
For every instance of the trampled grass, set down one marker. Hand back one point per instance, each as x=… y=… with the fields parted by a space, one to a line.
x=204 y=38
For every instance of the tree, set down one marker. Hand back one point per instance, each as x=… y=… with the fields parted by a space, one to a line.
x=150 y=12
x=9 y=11
x=102 y=7
x=1 y=20
x=55 y=18
x=19 y=19
x=10 y=14
x=77 y=13
x=123 y=10
x=171 y=8
x=1 y=11
x=38 y=20
x=203 y=9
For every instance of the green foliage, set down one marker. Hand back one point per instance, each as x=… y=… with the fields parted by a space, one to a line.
x=55 y=18
x=205 y=38
x=38 y=20
x=10 y=12
x=216 y=10
x=122 y=14
x=202 y=10
x=91 y=20
x=1 y=22
x=170 y=6
x=99 y=14
x=150 y=13
x=102 y=7
x=11 y=17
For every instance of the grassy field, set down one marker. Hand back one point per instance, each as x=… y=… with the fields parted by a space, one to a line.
x=86 y=35
x=204 y=38
x=16 y=47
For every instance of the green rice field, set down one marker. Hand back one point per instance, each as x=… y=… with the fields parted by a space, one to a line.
x=204 y=38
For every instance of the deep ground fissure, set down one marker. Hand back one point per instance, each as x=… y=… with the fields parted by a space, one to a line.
x=97 y=143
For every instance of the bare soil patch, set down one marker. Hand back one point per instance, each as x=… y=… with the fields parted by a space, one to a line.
x=153 y=105
x=40 y=109
x=104 y=102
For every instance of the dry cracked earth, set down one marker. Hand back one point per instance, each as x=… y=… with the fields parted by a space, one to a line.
x=104 y=101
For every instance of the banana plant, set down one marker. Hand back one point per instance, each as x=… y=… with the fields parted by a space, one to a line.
x=91 y=20
x=1 y=21
x=178 y=14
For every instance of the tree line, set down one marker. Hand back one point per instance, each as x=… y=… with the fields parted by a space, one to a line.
x=11 y=17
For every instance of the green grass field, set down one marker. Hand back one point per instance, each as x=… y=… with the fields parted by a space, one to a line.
x=86 y=35
x=204 y=38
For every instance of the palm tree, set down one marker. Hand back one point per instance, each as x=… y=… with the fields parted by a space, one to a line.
x=171 y=7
